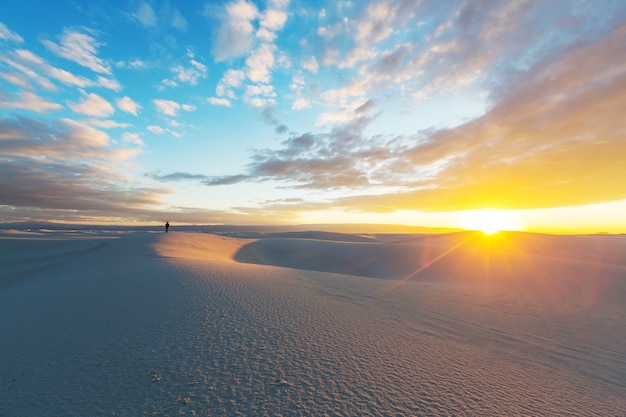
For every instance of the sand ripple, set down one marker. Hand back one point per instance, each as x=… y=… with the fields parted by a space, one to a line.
x=127 y=330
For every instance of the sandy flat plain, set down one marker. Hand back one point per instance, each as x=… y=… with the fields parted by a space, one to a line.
x=311 y=324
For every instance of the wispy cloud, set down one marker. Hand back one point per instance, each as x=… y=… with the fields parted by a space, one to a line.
x=28 y=101
x=105 y=124
x=145 y=15
x=81 y=47
x=157 y=130
x=30 y=66
x=203 y=179
x=149 y=17
x=189 y=74
x=135 y=64
x=7 y=34
x=109 y=83
x=170 y=107
x=173 y=16
x=132 y=138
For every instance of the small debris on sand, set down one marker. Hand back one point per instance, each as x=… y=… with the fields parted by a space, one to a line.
x=281 y=382
x=155 y=376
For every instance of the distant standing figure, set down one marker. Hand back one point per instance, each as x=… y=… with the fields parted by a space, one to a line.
x=167 y=227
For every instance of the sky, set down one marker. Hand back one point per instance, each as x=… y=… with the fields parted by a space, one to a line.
x=298 y=112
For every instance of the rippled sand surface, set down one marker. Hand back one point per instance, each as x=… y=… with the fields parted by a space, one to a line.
x=315 y=324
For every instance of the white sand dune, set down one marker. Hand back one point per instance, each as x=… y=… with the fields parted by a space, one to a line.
x=312 y=324
x=587 y=270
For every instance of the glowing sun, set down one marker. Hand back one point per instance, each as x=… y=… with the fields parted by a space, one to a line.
x=491 y=221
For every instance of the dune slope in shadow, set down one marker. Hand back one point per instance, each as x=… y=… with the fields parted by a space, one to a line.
x=579 y=269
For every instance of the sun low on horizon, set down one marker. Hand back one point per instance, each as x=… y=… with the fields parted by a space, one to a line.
x=289 y=112
x=491 y=221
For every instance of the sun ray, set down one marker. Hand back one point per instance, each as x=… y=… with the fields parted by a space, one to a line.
x=427 y=264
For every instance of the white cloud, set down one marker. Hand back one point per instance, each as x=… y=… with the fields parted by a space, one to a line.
x=89 y=136
x=260 y=95
x=134 y=64
x=283 y=61
x=242 y=10
x=190 y=75
x=378 y=24
x=344 y=113
x=273 y=19
x=25 y=70
x=215 y=101
x=80 y=48
x=331 y=31
x=132 y=138
x=235 y=35
x=66 y=77
x=259 y=64
x=358 y=88
x=167 y=107
x=167 y=83
x=8 y=35
x=35 y=67
x=279 y=4
x=311 y=65
x=170 y=108
x=109 y=83
x=92 y=105
x=266 y=35
x=145 y=15
x=260 y=89
x=331 y=56
x=259 y=102
x=158 y=130
x=355 y=56
x=301 y=103
x=27 y=101
x=128 y=105
x=16 y=79
x=231 y=79
x=297 y=85
x=27 y=57
x=199 y=66
x=106 y=124
x=177 y=20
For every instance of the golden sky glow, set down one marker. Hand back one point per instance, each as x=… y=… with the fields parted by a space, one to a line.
x=253 y=112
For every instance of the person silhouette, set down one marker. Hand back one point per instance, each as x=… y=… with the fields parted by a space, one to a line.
x=167 y=227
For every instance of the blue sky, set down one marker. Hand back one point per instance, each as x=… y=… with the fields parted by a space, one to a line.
x=283 y=111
